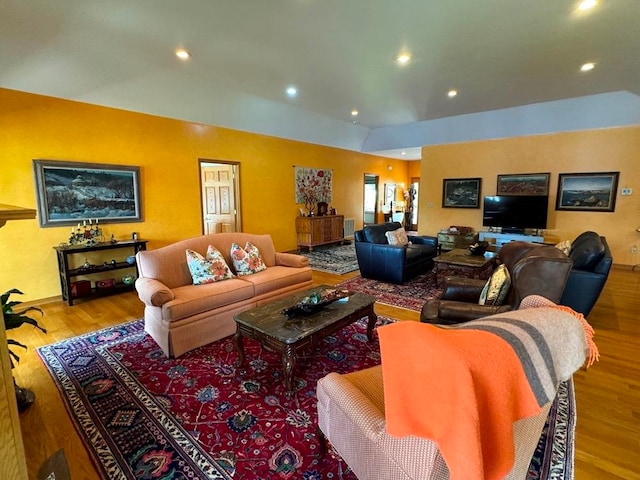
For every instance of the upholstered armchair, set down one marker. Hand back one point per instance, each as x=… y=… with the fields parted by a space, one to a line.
x=379 y=260
x=592 y=262
x=354 y=413
x=534 y=269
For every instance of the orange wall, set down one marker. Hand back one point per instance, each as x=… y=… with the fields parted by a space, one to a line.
x=614 y=149
x=167 y=152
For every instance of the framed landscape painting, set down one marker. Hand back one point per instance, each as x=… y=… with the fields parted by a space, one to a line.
x=461 y=192
x=523 y=184
x=69 y=192
x=588 y=192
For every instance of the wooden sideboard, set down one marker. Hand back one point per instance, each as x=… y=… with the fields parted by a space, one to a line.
x=314 y=231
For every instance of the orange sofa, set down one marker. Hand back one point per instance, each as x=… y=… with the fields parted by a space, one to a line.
x=181 y=316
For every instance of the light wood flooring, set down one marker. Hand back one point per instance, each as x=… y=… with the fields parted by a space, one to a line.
x=608 y=394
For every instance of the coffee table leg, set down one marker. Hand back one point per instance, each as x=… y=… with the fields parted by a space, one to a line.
x=373 y=318
x=237 y=341
x=288 y=365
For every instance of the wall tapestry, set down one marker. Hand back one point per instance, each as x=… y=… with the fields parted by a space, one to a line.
x=313 y=185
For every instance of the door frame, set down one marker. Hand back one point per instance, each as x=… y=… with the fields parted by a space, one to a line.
x=236 y=189
x=376 y=182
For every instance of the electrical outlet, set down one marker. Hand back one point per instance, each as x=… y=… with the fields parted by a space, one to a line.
x=634 y=249
x=626 y=191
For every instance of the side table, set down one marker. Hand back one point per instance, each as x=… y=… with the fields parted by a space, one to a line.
x=460 y=262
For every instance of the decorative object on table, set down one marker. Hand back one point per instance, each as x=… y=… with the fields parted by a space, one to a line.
x=105 y=284
x=87 y=266
x=129 y=279
x=461 y=192
x=323 y=208
x=587 y=192
x=80 y=288
x=316 y=301
x=13 y=319
x=523 y=184
x=68 y=191
x=113 y=239
x=88 y=234
x=131 y=259
x=478 y=248
x=313 y=185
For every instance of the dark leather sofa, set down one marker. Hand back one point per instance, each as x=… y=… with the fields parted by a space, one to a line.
x=592 y=262
x=392 y=263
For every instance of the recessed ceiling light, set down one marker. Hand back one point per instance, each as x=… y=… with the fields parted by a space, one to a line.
x=183 y=54
x=587 y=4
x=292 y=91
x=403 y=153
x=403 y=58
x=354 y=113
x=587 y=67
x=452 y=93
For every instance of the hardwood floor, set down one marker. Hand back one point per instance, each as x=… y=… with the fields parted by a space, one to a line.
x=607 y=395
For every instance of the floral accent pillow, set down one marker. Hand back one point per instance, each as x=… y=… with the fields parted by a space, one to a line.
x=246 y=260
x=397 y=237
x=496 y=288
x=211 y=269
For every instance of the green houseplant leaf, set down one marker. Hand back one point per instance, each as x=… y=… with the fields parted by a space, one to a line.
x=13 y=319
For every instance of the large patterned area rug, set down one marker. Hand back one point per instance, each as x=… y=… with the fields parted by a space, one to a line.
x=411 y=295
x=338 y=259
x=144 y=416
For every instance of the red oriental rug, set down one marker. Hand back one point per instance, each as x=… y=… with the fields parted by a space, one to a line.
x=142 y=415
x=411 y=295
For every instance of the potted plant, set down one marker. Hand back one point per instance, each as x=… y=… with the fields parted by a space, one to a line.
x=13 y=319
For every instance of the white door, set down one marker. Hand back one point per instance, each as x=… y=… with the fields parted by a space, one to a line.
x=219 y=205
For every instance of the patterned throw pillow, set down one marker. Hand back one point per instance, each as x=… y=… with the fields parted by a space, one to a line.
x=397 y=237
x=496 y=288
x=211 y=269
x=246 y=261
x=564 y=246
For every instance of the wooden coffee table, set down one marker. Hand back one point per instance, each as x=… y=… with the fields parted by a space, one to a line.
x=271 y=328
x=460 y=262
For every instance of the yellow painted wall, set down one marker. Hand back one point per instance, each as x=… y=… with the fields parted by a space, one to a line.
x=614 y=149
x=167 y=152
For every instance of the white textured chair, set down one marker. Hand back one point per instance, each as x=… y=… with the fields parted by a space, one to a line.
x=351 y=414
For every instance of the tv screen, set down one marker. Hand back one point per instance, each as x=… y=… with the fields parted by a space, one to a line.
x=514 y=213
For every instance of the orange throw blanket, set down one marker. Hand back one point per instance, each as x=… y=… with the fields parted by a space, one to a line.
x=464 y=387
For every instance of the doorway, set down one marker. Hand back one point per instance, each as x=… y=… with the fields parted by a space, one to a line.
x=370 y=215
x=220 y=196
x=411 y=219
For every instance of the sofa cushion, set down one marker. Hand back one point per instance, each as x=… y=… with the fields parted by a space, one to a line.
x=190 y=300
x=211 y=268
x=397 y=237
x=246 y=260
x=586 y=251
x=496 y=288
x=275 y=278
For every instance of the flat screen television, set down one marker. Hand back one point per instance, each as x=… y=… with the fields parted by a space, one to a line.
x=515 y=213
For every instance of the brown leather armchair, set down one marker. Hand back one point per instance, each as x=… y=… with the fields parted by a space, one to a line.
x=534 y=269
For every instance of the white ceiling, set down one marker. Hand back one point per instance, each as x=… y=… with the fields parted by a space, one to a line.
x=339 y=53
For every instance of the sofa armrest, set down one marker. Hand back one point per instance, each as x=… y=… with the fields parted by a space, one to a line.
x=424 y=240
x=291 y=260
x=153 y=292
x=449 y=312
x=335 y=391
